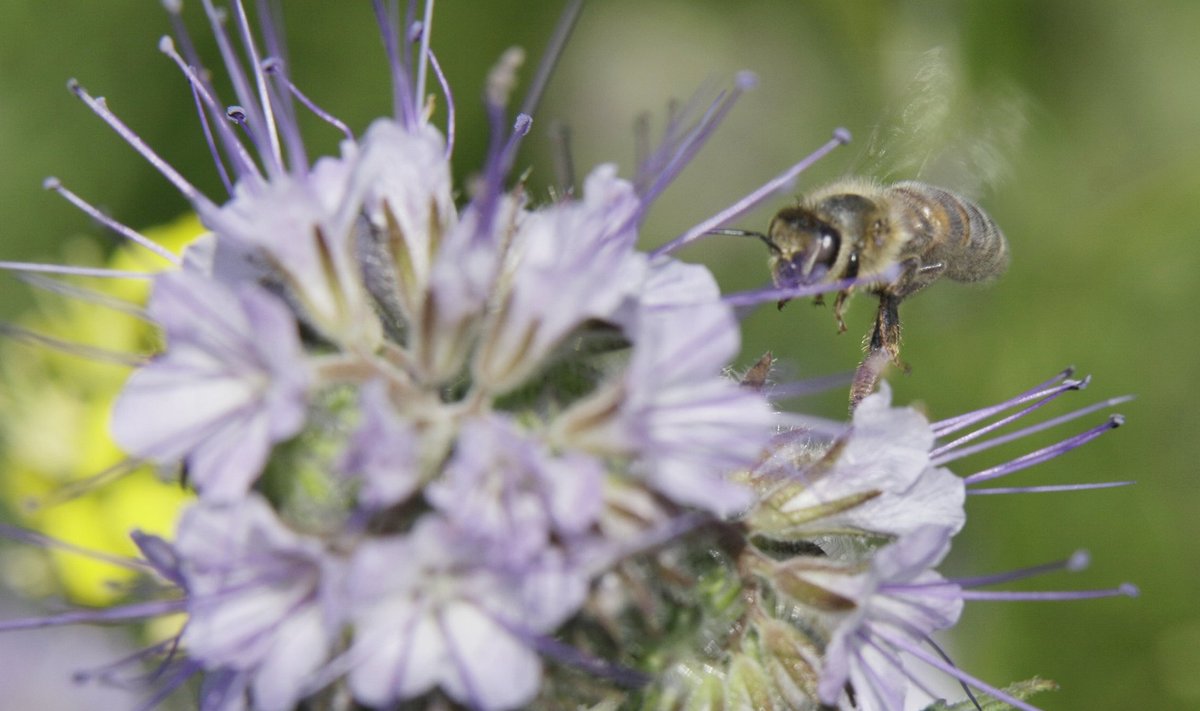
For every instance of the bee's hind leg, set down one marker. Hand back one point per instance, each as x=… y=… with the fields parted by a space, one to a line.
x=885 y=336
x=882 y=345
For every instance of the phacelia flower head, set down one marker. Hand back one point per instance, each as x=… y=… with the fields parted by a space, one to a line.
x=485 y=451
x=466 y=380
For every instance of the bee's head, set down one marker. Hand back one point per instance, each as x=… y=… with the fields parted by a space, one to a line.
x=806 y=249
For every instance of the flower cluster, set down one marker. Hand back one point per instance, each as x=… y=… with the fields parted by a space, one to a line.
x=438 y=444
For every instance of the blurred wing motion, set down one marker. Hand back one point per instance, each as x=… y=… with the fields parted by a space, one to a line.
x=940 y=131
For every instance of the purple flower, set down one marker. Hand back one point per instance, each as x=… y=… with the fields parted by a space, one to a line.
x=232 y=382
x=898 y=600
x=430 y=610
x=507 y=490
x=401 y=185
x=876 y=479
x=687 y=425
x=384 y=452
x=256 y=599
x=570 y=262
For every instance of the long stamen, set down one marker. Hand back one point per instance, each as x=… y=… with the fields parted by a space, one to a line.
x=71 y=291
x=289 y=128
x=450 y=113
x=181 y=675
x=243 y=163
x=500 y=82
x=976 y=434
x=100 y=108
x=90 y=210
x=558 y=40
x=596 y=667
x=1028 y=396
x=762 y=296
x=1076 y=562
x=205 y=107
x=942 y=455
x=956 y=672
x=24 y=335
x=650 y=161
x=520 y=130
x=210 y=139
x=274 y=67
x=260 y=81
x=255 y=121
x=108 y=672
x=272 y=31
x=69 y=270
x=401 y=105
x=953 y=424
x=80 y=487
x=110 y=614
x=691 y=144
x=1048 y=489
x=423 y=53
x=174 y=10
x=1045 y=453
x=641 y=148
x=1123 y=590
x=25 y=536
x=740 y=207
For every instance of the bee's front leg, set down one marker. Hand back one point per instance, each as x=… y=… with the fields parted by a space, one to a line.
x=839 y=309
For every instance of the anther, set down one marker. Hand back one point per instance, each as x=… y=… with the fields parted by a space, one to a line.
x=522 y=125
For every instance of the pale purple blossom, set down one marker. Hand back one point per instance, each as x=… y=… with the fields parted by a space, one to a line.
x=257 y=599
x=688 y=425
x=899 y=596
x=384 y=451
x=879 y=478
x=506 y=489
x=401 y=185
x=568 y=263
x=431 y=610
x=232 y=382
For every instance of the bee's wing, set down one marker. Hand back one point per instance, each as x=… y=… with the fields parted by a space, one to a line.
x=942 y=132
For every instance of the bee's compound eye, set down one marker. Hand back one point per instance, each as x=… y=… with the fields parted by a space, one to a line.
x=786 y=275
x=828 y=244
x=852 y=265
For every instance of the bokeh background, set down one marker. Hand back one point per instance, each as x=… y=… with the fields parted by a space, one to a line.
x=1101 y=206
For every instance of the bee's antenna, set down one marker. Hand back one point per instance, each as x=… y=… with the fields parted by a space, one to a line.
x=746 y=233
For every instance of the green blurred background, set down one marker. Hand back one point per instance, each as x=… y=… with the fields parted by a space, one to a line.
x=1101 y=208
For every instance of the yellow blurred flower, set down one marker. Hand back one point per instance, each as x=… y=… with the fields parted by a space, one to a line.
x=54 y=410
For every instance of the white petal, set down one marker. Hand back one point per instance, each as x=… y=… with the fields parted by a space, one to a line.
x=488 y=668
x=299 y=647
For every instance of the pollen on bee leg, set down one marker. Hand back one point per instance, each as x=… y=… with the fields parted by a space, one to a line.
x=866 y=377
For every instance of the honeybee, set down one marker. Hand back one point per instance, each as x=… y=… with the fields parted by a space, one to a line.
x=906 y=234
x=856 y=228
